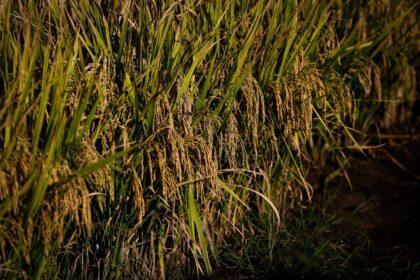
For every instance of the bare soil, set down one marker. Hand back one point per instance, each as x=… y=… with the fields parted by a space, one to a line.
x=384 y=192
x=389 y=187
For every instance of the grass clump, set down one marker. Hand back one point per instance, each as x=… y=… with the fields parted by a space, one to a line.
x=137 y=137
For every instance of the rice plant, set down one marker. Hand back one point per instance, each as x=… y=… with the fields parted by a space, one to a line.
x=137 y=137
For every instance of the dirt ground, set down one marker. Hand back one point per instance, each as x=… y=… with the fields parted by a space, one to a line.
x=382 y=202
x=388 y=186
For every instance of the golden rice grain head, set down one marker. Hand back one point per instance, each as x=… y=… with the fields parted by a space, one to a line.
x=365 y=79
x=46 y=225
x=70 y=200
x=186 y=109
x=163 y=112
x=167 y=179
x=377 y=81
x=231 y=140
x=175 y=144
x=138 y=195
x=16 y=171
x=27 y=240
x=254 y=102
x=102 y=178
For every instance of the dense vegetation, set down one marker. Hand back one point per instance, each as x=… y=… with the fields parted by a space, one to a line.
x=144 y=139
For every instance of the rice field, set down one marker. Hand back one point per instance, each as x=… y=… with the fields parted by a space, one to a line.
x=139 y=138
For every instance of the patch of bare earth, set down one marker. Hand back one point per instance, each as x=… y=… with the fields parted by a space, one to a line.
x=388 y=186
